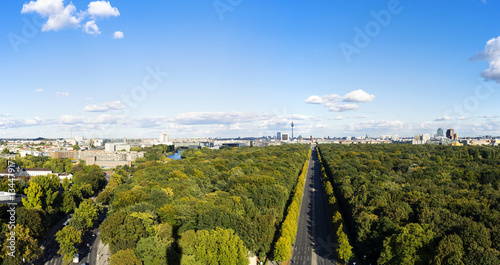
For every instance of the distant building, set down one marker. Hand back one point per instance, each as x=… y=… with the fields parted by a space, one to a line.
x=33 y=172
x=440 y=132
x=450 y=133
x=97 y=142
x=113 y=147
x=164 y=138
x=62 y=154
x=284 y=137
x=455 y=136
x=108 y=159
x=234 y=144
x=278 y=136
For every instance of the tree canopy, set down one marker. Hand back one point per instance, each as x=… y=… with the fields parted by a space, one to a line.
x=418 y=204
x=243 y=190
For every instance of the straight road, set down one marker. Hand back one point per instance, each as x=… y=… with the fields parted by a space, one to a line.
x=91 y=250
x=314 y=243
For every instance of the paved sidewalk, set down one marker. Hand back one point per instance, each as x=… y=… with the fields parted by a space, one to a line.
x=103 y=254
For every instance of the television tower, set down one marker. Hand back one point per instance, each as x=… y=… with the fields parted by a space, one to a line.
x=292 y=127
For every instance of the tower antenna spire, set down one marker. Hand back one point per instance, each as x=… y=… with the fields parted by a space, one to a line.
x=292 y=126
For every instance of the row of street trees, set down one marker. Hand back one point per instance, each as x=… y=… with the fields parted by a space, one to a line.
x=48 y=200
x=418 y=204
x=288 y=233
x=343 y=248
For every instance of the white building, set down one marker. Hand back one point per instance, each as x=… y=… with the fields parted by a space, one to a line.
x=98 y=142
x=113 y=147
x=24 y=153
x=33 y=172
x=163 y=138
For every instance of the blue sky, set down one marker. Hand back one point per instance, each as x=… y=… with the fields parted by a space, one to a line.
x=243 y=68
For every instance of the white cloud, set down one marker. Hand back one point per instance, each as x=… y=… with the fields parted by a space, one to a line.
x=70 y=119
x=104 y=119
x=191 y=124
x=62 y=94
x=39 y=90
x=340 y=117
x=19 y=123
x=59 y=16
x=358 y=96
x=102 y=9
x=327 y=99
x=118 y=35
x=218 y=117
x=344 y=108
x=489 y=127
x=91 y=28
x=490 y=117
x=106 y=106
x=43 y=7
x=376 y=125
x=315 y=100
x=89 y=98
x=332 y=97
x=444 y=118
x=491 y=54
x=332 y=100
x=82 y=120
x=33 y=121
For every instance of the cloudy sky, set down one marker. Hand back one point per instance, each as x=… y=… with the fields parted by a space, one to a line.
x=243 y=68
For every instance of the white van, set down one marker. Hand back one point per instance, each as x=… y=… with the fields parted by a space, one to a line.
x=76 y=258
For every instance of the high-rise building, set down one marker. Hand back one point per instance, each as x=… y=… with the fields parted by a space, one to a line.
x=164 y=138
x=440 y=132
x=455 y=136
x=284 y=137
x=278 y=136
x=450 y=133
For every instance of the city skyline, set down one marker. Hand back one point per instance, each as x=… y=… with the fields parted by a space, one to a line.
x=115 y=69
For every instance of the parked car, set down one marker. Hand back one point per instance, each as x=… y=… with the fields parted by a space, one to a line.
x=76 y=258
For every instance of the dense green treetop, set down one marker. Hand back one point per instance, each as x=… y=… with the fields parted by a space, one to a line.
x=408 y=204
x=242 y=189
